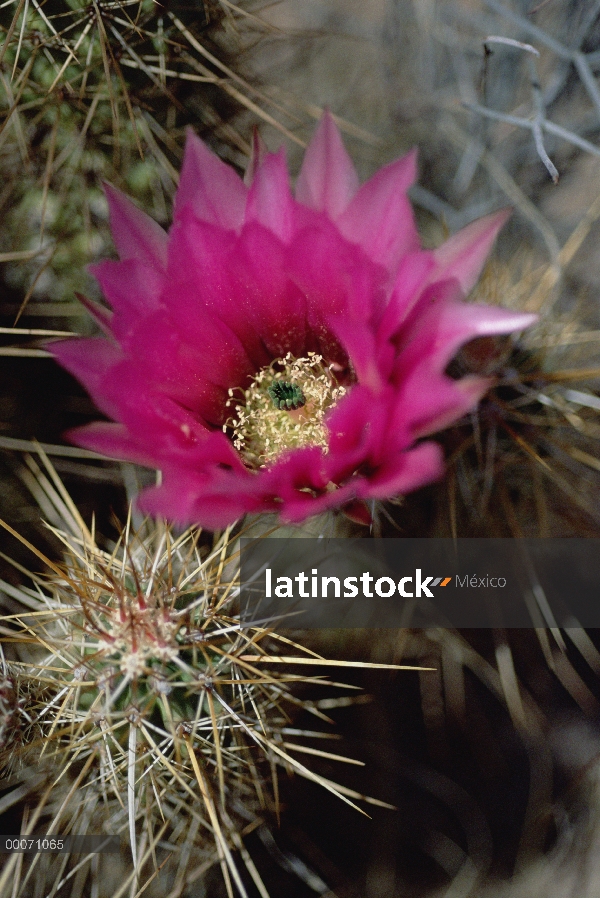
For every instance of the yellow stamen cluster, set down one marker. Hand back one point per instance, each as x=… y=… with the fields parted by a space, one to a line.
x=261 y=432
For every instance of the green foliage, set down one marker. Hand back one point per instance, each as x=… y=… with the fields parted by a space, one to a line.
x=93 y=91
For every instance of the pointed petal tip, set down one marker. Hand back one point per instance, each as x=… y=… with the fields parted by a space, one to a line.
x=101 y=315
x=523 y=320
x=135 y=234
x=194 y=146
x=490 y=320
x=327 y=181
x=213 y=189
x=109 y=189
x=116 y=200
x=492 y=223
x=380 y=217
x=269 y=199
x=463 y=255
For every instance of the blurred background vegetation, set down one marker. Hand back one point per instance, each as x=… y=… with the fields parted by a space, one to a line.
x=492 y=761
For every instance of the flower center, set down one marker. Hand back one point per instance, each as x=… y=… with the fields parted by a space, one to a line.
x=283 y=408
x=286 y=395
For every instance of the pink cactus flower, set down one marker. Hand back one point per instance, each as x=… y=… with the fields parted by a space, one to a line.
x=277 y=352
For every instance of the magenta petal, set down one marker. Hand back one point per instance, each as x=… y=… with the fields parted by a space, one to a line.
x=89 y=359
x=337 y=280
x=145 y=409
x=101 y=315
x=132 y=289
x=301 y=469
x=301 y=483
x=359 y=433
x=429 y=402
x=212 y=499
x=447 y=326
x=351 y=421
x=181 y=370
x=404 y=473
x=273 y=304
x=214 y=191
x=414 y=272
x=125 y=391
x=467 y=392
x=270 y=201
x=327 y=180
x=164 y=430
x=463 y=256
x=380 y=217
x=111 y=440
x=136 y=235
x=209 y=297
x=368 y=359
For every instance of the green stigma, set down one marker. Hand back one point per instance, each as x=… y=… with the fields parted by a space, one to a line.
x=286 y=396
